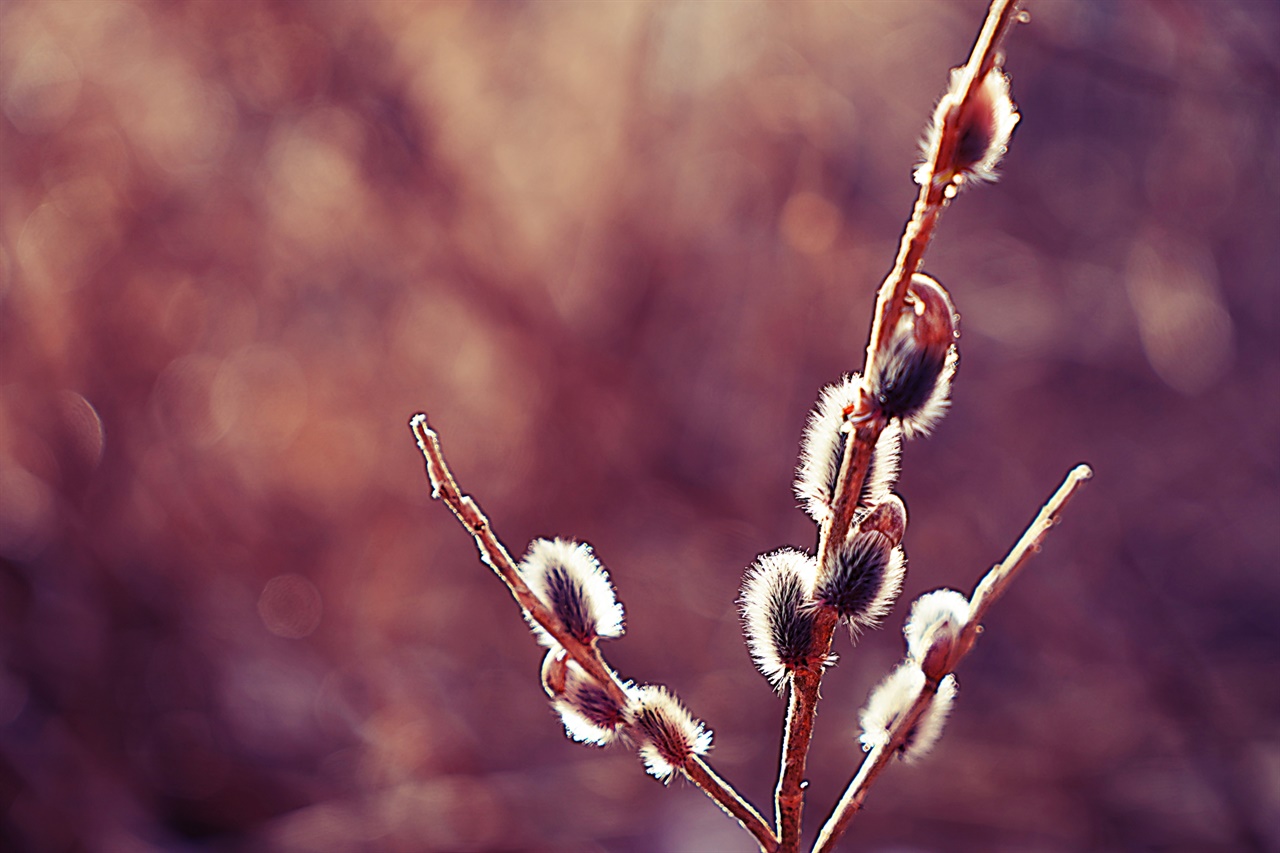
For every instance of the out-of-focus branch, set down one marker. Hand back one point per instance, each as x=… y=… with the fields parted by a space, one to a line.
x=996 y=581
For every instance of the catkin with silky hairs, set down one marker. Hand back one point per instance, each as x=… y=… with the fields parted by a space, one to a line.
x=778 y=612
x=569 y=579
x=822 y=450
x=910 y=383
x=665 y=732
x=863 y=576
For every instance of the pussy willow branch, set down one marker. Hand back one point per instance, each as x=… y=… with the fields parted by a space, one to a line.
x=937 y=187
x=492 y=552
x=990 y=588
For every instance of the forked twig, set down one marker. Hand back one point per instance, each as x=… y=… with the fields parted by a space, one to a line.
x=793 y=602
x=492 y=553
x=938 y=185
x=990 y=588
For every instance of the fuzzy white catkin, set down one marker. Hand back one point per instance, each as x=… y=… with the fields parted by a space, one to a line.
x=588 y=711
x=890 y=700
x=893 y=698
x=929 y=727
x=822 y=451
x=937 y=616
x=569 y=580
x=777 y=612
x=665 y=732
x=984 y=130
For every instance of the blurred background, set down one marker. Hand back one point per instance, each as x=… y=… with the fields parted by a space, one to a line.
x=615 y=251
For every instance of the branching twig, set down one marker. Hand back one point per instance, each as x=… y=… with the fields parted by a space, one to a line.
x=992 y=585
x=791 y=613
x=938 y=185
x=492 y=552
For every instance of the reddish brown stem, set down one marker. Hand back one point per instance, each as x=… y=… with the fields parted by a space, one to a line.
x=934 y=193
x=801 y=702
x=930 y=202
x=701 y=774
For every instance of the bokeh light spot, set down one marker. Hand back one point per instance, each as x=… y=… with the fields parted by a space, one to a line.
x=810 y=223
x=290 y=606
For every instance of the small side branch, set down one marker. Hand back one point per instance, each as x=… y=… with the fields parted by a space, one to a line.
x=701 y=774
x=492 y=553
x=992 y=585
x=445 y=488
x=996 y=581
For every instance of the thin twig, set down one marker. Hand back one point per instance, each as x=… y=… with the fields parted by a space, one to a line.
x=866 y=427
x=701 y=774
x=996 y=581
x=493 y=554
x=992 y=585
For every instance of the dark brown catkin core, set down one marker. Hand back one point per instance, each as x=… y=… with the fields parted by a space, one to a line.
x=911 y=380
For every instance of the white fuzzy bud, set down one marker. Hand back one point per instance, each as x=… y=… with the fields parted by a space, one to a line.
x=892 y=700
x=570 y=581
x=778 y=613
x=822 y=451
x=925 y=733
x=933 y=629
x=668 y=736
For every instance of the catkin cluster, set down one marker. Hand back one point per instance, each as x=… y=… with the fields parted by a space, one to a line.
x=784 y=592
x=905 y=392
x=569 y=580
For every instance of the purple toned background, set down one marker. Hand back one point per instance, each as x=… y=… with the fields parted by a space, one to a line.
x=615 y=250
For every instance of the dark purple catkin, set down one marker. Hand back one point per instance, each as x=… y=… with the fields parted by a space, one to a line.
x=589 y=712
x=863 y=576
x=911 y=379
x=667 y=735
